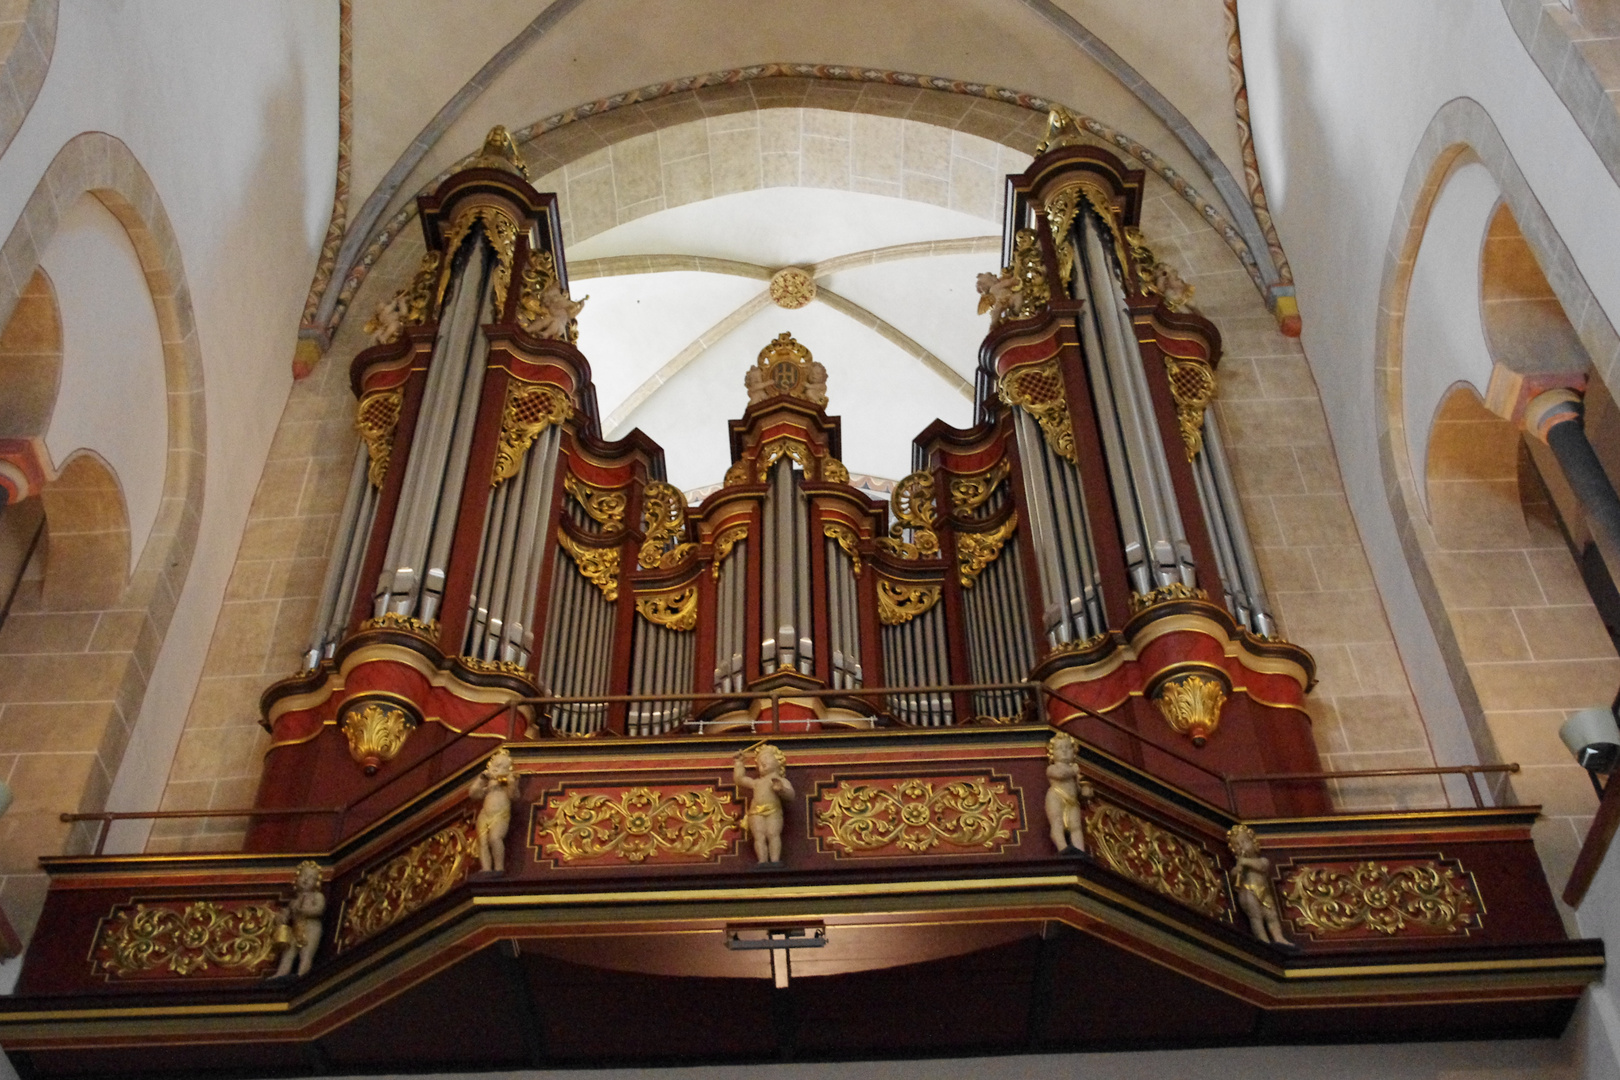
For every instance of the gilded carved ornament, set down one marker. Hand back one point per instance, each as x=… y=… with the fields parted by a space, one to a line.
x=727 y=538
x=1038 y=389
x=1020 y=290
x=844 y=537
x=544 y=309
x=408 y=882
x=786 y=367
x=913 y=506
x=792 y=288
x=676 y=610
x=1155 y=278
x=833 y=471
x=530 y=408
x=1433 y=895
x=500 y=152
x=663 y=516
x=1192 y=387
x=917 y=815
x=406 y=308
x=899 y=604
x=495 y=667
x=605 y=506
x=1062 y=129
x=1156 y=858
x=376 y=732
x=968 y=493
x=377 y=418
x=502 y=232
x=1165 y=594
x=977 y=550
x=1251 y=884
x=600 y=566
x=390 y=620
x=639 y=824
x=1191 y=705
x=186 y=938
x=775 y=449
x=737 y=473
x=1068 y=648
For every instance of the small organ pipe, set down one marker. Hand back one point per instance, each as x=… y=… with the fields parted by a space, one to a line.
x=536 y=506
x=1243 y=547
x=351 y=574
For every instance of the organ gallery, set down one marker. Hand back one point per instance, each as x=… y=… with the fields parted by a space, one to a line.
x=586 y=770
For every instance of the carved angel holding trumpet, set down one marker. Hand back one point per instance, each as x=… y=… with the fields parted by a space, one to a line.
x=1251 y=881
x=298 y=925
x=1065 y=790
x=763 y=821
x=495 y=786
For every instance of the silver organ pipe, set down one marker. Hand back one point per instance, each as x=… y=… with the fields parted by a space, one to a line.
x=786 y=622
x=1156 y=548
x=915 y=654
x=412 y=581
x=507 y=576
x=662 y=663
x=343 y=563
x=731 y=620
x=843 y=618
x=1061 y=534
x=1000 y=648
x=1224 y=513
x=575 y=658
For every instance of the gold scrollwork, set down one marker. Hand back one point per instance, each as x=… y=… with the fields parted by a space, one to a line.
x=390 y=620
x=1030 y=269
x=916 y=816
x=1164 y=594
x=736 y=474
x=376 y=418
x=728 y=538
x=599 y=565
x=502 y=232
x=772 y=452
x=1038 y=389
x=408 y=307
x=913 y=507
x=833 y=471
x=408 y=882
x=641 y=823
x=1061 y=208
x=1069 y=648
x=1191 y=705
x=1156 y=278
x=968 y=493
x=975 y=551
x=1062 y=129
x=1192 y=386
x=376 y=731
x=901 y=603
x=1369 y=896
x=663 y=515
x=543 y=309
x=186 y=940
x=1157 y=859
x=605 y=506
x=530 y=409
x=496 y=667
x=845 y=537
x=675 y=610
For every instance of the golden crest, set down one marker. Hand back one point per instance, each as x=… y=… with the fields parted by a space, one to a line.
x=1157 y=859
x=736 y=474
x=786 y=367
x=845 y=538
x=186 y=938
x=408 y=882
x=376 y=418
x=604 y=505
x=1038 y=389
x=663 y=516
x=1428 y=897
x=833 y=471
x=913 y=507
x=916 y=816
x=675 y=610
x=530 y=409
x=639 y=824
x=977 y=550
x=599 y=565
x=901 y=603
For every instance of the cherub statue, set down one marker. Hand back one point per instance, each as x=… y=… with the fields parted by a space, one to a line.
x=815 y=383
x=1251 y=880
x=496 y=786
x=1066 y=787
x=764 y=818
x=298 y=925
x=1175 y=290
x=998 y=294
x=389 y=321
x=556 y=311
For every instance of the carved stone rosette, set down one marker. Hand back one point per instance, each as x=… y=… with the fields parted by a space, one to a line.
x=918 y=815
x=638 y=824
x=376 y=729
x=1157 y=859
x=1429 y=897
x=232 y=939
x=408 y=882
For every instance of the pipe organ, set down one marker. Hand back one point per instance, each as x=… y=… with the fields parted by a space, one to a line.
x=1084 y=534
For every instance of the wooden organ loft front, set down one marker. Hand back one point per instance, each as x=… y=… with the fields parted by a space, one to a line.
x=1016 y=761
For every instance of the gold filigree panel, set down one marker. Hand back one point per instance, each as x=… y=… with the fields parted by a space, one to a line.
x=977 y=550
x=844 y=537
x=774 y=450
x=1038 y=390
x=639 y=825
x=913 y=507
x=530 y=408
x=502 y=232
x=677 y=610
x=605 y=506
x=939 y=815
x=599 y=565
x=1386 y=897
x=377 y=418
x=1192 y=386
x=663 y=516
x=728 y=538
x=210 y=939
x=968 y=493
x=899 y=603
x=408 y=882
x=1157 y=859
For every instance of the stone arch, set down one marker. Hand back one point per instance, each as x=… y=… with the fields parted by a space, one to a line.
x=1513 y=686
x=30 y=360
x=27 y=41
x=73 y=683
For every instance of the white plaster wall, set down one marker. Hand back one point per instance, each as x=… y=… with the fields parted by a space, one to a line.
x=112 y=398
x=1445 y=334
x=232 y=110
